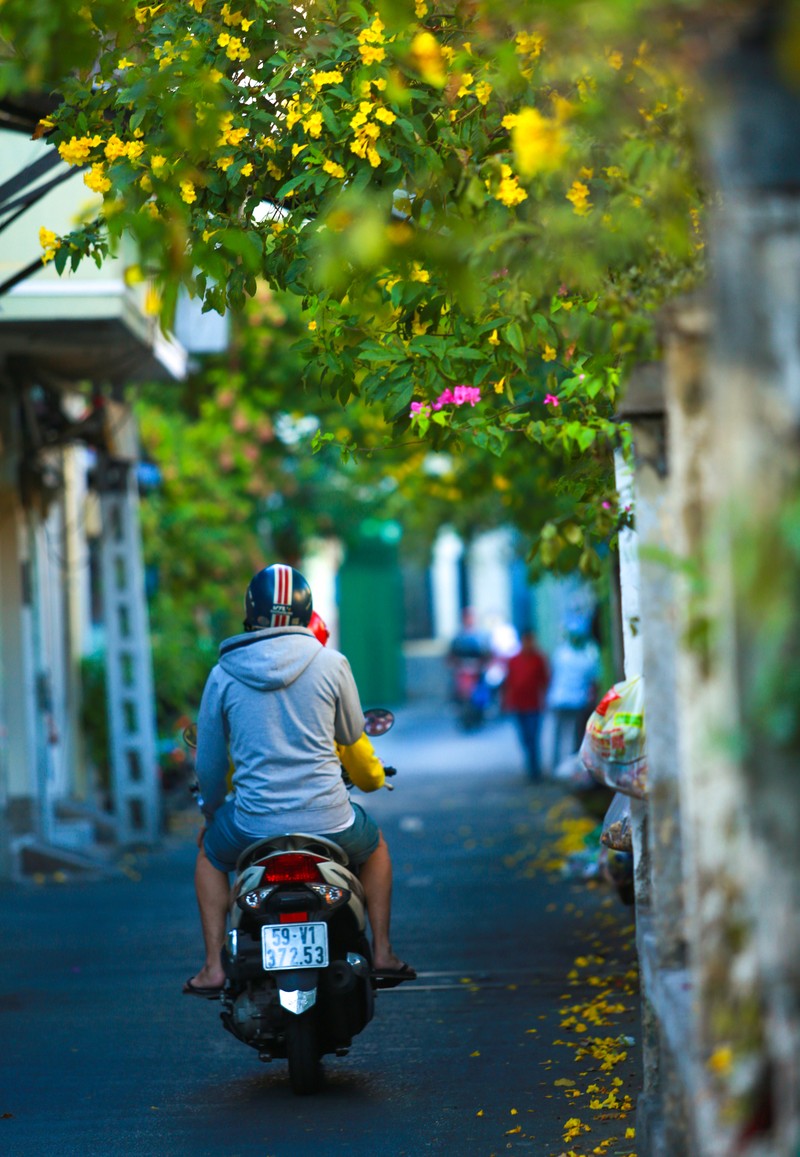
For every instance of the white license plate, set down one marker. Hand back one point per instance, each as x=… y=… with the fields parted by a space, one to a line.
x=294 y=946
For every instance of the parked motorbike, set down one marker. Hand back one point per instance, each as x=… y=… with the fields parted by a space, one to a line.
x=297 y=959
x=471 y=693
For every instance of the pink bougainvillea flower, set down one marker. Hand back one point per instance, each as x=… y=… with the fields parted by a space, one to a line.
x=464 y=394
x=460 y=396
x=551 y=400
x=606 y=505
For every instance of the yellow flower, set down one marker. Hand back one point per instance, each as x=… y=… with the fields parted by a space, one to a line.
x=549 y=354
x=385 y=115
x=274 y=171
x=49 y=242
x=371 y=54
x=297 y=149
x=418 y=326
x=334 y=169
x=483 y=90
x=224 y=39
x=420 y=9
x=312 y=325
x=499 y=387
x=247 y=169
x=125 y=63
x=721 y=1060
x=494 y=339
x=188 y=193
x=428 y=59
x=419 y=274
x=247 y=25
x=230 y=17
x=615 y=59
x=76 y=150
x=360 y=121
x=235 y=136
x=152 y=302
x=320 y=78
x=467 y=81
x=529 y=44
x=508 y=191
x=579 y=196
x=313 y=125
x=96 y=179
x=141 y=13
x=234 y=48
x=372 y=34
x=115 y=148
x=224 y=163
x=134 y=150
x=197 y=5
x=537 y=141
x=157 y=164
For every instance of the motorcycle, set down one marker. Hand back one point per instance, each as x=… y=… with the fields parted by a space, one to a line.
x=298 y=964
x=471 y=693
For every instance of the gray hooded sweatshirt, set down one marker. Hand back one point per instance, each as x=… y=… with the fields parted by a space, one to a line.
x=275 y=702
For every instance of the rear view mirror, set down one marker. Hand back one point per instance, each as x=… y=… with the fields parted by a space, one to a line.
x=377 y=721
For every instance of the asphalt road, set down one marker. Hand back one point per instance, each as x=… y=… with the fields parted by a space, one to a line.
x=520 y=969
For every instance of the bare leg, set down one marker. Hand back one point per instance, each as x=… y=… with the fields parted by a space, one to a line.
x=213 y=892
x=376 y=876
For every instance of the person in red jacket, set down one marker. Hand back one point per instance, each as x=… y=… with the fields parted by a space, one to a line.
x=523 y=695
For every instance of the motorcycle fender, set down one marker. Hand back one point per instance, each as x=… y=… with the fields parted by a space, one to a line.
x=297 y=989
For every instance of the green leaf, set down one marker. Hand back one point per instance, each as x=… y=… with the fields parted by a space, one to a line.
x=400 y=403
x=514 y=336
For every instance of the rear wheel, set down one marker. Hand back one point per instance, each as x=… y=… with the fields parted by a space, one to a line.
x=302 y=1051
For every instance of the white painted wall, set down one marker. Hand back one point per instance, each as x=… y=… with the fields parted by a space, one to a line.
x=447 y=552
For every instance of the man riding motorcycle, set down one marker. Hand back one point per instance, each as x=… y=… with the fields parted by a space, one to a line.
x=274 y=705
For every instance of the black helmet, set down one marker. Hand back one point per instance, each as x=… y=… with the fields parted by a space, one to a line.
x=278 y=596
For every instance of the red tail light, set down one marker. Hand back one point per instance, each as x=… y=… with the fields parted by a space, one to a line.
x=292 y=868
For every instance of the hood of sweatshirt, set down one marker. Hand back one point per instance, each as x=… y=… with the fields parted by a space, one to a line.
x=271 y=659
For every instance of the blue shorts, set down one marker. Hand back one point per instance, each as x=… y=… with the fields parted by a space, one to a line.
x=224 y=841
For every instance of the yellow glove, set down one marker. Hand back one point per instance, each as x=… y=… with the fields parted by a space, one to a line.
x=362 y=764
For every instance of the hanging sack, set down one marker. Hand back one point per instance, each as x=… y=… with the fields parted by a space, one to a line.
x=617 y=833
x=614 y=747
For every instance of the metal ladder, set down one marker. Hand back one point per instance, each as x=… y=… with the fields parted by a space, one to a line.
x=129 y=671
